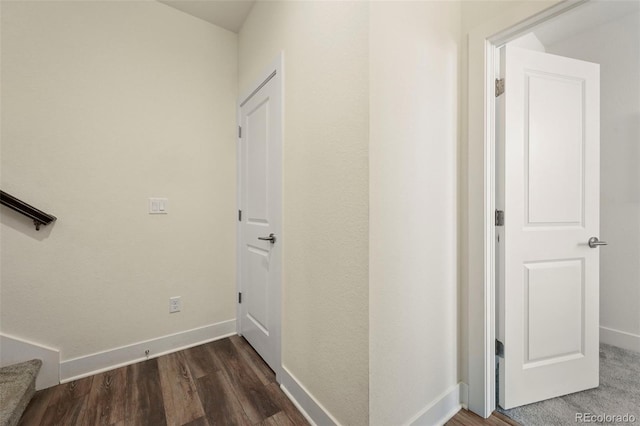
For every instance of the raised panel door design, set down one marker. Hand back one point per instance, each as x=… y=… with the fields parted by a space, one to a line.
x=260 y=180
x=548 y=284
x=554 y=311
x=257 y=291
x=554 y=153
x=256 y=133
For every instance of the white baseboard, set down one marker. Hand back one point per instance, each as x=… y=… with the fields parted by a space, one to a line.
x=14 y=350
x=441 y=410
x=310 y=408
x=621 y=339
x=77 y=368
x=464 y=395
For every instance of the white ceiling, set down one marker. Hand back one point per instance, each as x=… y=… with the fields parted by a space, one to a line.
x=589 y=15
x=229 y=14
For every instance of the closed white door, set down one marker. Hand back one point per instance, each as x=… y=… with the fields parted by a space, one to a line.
x=548 y=286
x=260 y=232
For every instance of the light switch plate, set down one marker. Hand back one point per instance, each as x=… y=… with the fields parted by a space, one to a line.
x=158 y=205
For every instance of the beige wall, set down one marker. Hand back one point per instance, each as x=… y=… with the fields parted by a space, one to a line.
x=105 y=104
x=325 y=271
x=414 y=48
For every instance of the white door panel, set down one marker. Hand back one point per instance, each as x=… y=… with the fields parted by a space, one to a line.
x=260 y=181
x=554 y=310
x=548 y=287
x=554 y=182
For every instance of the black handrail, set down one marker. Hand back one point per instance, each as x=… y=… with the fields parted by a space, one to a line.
x=39 y=217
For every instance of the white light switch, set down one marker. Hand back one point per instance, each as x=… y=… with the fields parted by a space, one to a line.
x=158 y=205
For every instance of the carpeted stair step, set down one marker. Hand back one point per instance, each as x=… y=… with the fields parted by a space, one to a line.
x=17 y=386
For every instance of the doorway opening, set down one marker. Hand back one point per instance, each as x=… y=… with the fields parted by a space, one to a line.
x=619 y=224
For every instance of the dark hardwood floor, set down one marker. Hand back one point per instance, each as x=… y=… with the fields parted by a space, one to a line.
x=219 y=383
x=467 y=418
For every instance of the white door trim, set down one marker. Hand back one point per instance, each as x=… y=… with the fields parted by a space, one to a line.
x=483 y=43
x=275 y=71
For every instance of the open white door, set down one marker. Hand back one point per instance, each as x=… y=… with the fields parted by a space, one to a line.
x=548 y=138
x=260 y=229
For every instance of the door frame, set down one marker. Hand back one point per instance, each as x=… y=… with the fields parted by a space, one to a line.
x=274 y=72
x=484 y=42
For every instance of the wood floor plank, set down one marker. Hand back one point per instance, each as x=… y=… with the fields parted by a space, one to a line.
x=106 y=398
x=256 y=363
x=37 y=407
x=67 y=402
x=202 y=421
x=179 y=392
x=278 y=419
x=234 y=387
x=144 y=403
x=462 y=418
x=251 y=393
x=71 y=390
x=220 y=402
x=467 y=418
x=285 y=404
x=66 y=412
x=455 y=421
x=200 y=361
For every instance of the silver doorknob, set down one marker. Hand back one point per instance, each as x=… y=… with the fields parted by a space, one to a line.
x=271 y=238
x=594 y=242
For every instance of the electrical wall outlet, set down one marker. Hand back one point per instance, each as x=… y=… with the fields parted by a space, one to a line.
x=175 y=304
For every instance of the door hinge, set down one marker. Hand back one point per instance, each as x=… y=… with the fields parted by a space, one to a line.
x=239 y=297
x=499 y=217
x=240 y=132
x=499 y=86
x=239 y=215
x=499 y=348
